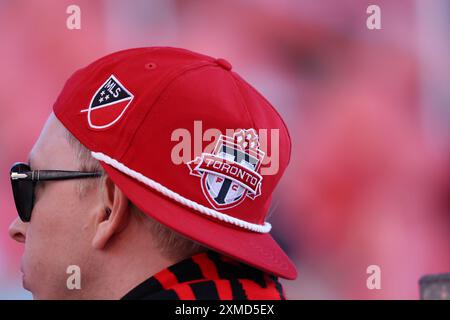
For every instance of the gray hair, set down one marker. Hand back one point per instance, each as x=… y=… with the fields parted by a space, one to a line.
x=171 y=244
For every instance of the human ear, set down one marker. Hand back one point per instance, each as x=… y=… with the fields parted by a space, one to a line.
x=113 y=215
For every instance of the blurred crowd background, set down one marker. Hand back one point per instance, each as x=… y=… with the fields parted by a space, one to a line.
x=368 y=111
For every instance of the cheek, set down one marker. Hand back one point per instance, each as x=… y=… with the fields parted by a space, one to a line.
x=56 y=236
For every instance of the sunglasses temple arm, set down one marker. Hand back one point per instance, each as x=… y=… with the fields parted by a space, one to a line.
x=35 y=175
x=62 y=175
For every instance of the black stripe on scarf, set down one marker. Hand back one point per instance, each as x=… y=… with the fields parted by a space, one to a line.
x=206 y=290
x=187 y=270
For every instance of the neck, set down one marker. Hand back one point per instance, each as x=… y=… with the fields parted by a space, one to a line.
x=130 y=259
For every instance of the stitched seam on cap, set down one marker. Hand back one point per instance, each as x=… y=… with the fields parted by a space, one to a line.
x=274 y=109
x=243 y=101
x=170 y=79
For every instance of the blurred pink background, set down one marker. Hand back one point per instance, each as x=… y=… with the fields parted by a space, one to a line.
x=368 y=111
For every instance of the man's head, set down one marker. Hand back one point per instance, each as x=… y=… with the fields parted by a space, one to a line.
x=132 y=110
x=89 y=223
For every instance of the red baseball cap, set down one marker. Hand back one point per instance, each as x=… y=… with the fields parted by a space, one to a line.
x=139 y=111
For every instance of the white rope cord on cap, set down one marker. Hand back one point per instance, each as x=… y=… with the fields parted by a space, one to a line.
x=179 y=198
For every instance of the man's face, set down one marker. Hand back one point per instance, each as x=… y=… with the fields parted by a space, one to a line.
x=61 y=228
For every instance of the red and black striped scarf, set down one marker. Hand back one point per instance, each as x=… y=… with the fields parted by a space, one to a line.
x=209 y=276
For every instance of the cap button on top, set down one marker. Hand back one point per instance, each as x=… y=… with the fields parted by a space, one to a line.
x=224 y=64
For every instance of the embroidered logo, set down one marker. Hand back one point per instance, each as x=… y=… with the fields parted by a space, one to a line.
x=230 y=174
x=108 y=104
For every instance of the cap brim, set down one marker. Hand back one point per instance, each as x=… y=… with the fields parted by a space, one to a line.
x=255 y=249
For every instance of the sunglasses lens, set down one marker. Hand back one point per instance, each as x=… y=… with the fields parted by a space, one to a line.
x=23 y=191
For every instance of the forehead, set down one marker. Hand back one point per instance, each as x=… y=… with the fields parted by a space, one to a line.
x=52 y=150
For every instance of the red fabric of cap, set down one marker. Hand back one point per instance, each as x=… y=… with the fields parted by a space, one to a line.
x=136 y=106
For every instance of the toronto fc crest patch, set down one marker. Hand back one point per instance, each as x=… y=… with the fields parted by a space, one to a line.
x=229 y=174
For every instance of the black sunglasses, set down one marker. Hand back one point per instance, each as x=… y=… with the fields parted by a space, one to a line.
x=23 y=182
